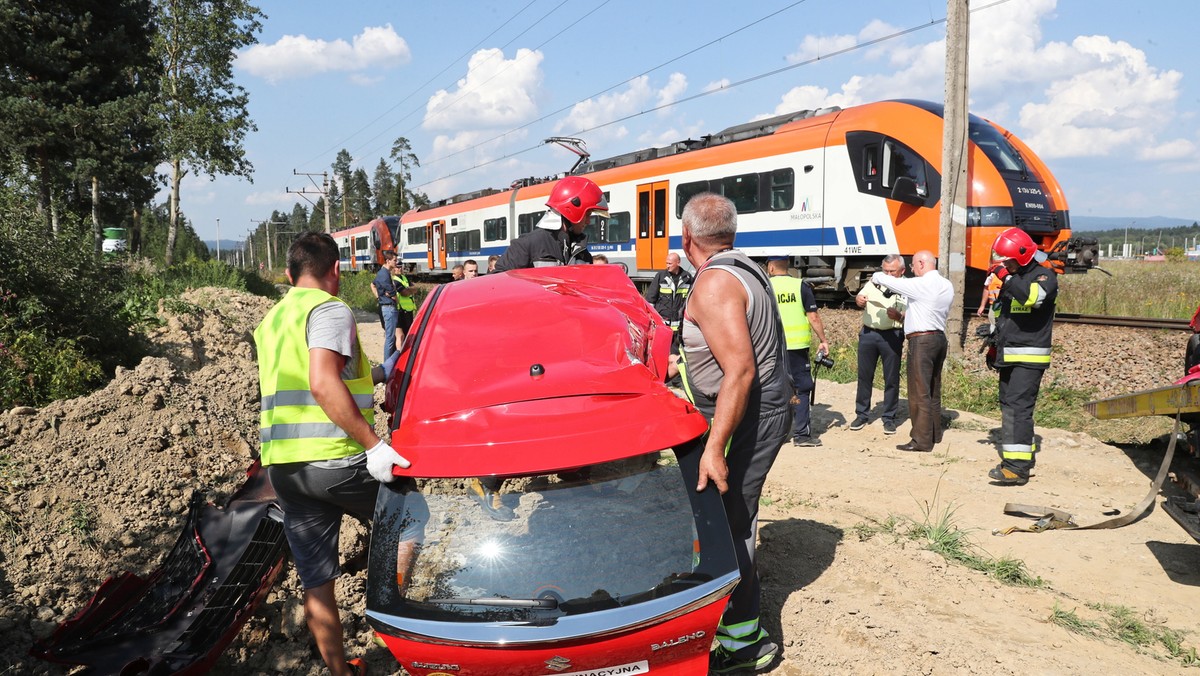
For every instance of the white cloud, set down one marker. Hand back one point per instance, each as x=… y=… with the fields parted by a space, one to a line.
x=270 y=198
x=675 y=88
x=723 y=83
x=597 y=116
x=496 y=92
x=810 y=97
x=1093 y=96
x=295 y=56
x=816 y=46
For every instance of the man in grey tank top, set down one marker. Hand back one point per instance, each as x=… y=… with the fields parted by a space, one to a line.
x=734 y=370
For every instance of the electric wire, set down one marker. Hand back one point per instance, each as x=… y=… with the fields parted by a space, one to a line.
x=754 y=78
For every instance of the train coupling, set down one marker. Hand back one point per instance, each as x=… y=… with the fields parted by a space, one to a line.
x=1075 y=255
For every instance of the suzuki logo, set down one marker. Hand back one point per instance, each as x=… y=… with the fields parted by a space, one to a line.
x=558 y=663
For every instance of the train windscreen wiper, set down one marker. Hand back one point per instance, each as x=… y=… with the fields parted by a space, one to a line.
x=497 y=602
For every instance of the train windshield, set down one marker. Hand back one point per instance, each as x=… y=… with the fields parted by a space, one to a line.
x=997 y=148
x=600 y=537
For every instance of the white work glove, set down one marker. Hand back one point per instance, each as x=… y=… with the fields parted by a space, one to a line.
x=380 y=459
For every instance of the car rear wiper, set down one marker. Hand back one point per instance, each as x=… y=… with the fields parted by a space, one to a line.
x=498 y=602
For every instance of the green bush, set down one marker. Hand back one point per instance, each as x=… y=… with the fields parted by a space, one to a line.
x=355 y=289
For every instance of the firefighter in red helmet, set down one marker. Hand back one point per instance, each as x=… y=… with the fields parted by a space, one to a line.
x=1022 y=339
x=558 y=238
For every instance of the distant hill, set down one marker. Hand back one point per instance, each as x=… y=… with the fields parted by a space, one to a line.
x=1090 y=223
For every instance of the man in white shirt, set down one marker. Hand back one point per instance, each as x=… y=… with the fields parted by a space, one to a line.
x=929 y=296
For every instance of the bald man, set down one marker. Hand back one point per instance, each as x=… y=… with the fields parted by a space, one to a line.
x=929 y=296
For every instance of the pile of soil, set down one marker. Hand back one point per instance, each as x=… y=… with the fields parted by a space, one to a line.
x=98 y=485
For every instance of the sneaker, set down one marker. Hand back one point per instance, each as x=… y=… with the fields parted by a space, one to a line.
x=889 y=427
x=1006 y=477
x=806 y=442
x=753 y=658
x=859 y=423
x=491 y=503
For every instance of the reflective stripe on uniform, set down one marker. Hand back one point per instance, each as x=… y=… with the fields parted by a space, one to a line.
x=1017 y=451
x=734 y=637
x=306 y=398
x=1026 y=355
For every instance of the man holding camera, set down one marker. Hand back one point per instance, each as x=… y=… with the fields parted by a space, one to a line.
x=929 y=296
x=798 y=310
x=881 y=339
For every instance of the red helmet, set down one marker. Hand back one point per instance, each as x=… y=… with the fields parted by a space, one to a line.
x=1016 y=244
x=576 y=197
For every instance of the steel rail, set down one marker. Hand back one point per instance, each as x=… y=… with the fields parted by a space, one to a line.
x=1129 y=322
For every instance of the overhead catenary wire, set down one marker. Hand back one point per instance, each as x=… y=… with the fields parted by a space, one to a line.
x=686 y=99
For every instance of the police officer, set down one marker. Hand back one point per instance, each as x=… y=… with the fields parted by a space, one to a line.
x=1022 y=340
x=798 y=309
x=559 y=238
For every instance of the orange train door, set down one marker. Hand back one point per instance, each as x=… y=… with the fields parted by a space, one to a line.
x=652 y=214
x=435 y=243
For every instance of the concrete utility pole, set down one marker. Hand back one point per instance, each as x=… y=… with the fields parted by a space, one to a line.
x=952 y=261
x=218 y=240
x=323 y=191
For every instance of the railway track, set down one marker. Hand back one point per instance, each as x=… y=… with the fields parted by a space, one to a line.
x=1130 y=322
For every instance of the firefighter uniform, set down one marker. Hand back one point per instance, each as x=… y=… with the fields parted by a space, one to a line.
x=668 y=294
x=1024 y=328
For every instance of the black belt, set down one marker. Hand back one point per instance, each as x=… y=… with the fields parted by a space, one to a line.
x=922 y=333
x=871 y=328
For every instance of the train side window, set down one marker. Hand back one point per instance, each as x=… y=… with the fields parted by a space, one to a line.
x=685 y=192
x=495 y=228
x=472 y=239
x=360 y=243
x=901 y=162
x=742 y=191
x=526 y=222
x=870 y=161
x=416 y=235
x=618 y=227
x=644 y=214
x=344 y=253
x=783 y=189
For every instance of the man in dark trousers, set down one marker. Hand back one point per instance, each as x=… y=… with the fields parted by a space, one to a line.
x=734 y=369
x=881 y=339
x=1022 y=339
x=798 y=310
x=559 y=238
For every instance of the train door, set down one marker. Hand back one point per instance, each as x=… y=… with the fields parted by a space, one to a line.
x=435 y=242
x=652 y=215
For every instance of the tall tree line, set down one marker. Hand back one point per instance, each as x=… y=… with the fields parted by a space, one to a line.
x=94 y=95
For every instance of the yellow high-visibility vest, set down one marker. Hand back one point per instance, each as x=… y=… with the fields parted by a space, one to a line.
x=292 y=426
x=796 y=329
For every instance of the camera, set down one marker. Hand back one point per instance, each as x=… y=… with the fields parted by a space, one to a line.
x=887 y=293
x=822 y=359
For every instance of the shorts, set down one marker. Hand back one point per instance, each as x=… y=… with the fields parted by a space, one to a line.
x=404 y=320
x=314 y=500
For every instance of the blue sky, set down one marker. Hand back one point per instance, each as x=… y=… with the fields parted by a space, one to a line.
x=1104 y=91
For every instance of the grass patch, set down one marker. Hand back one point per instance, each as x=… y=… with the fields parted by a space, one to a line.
x=1125 y=624
x=939 y=533
x=81 y=523
x=865 y=531
x=1136 y=289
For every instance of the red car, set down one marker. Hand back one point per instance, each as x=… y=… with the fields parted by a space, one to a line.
x=594 y=554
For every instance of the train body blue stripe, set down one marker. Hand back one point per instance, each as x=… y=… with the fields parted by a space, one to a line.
x=851 y=235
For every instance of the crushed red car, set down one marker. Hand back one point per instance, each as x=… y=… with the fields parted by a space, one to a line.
x=591 y=552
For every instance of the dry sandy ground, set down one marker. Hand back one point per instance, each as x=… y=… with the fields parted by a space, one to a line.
x=842 y=601
x=96 y=485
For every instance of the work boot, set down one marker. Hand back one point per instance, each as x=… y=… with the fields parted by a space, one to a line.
x=492 y=505
x=859 y=423
x=751 y=658
x=1006 y=477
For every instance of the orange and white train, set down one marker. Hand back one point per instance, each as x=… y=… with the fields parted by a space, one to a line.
x=835 y=189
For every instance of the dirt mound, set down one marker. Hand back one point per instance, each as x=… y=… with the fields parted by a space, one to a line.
x=100 y=484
